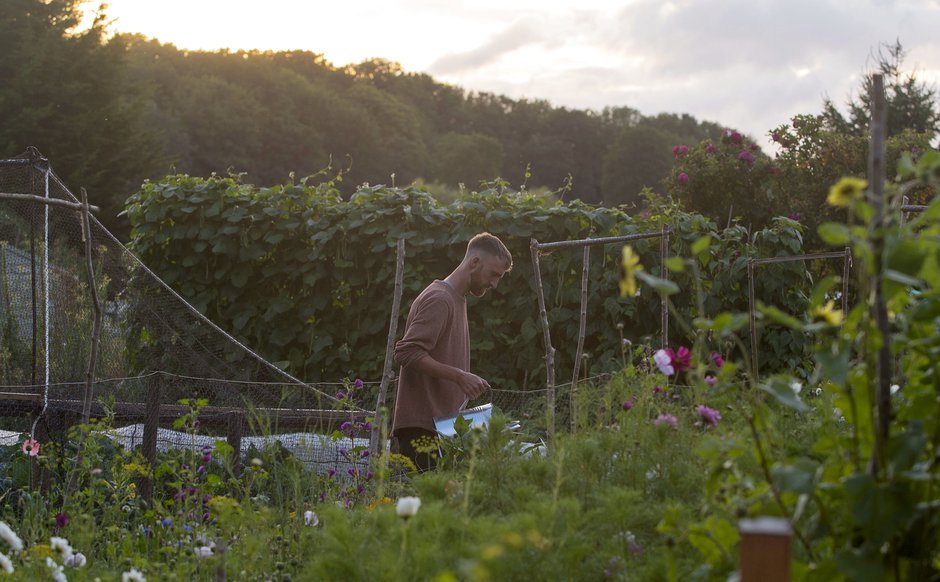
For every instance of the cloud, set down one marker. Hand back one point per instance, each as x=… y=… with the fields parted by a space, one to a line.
x=518 y=35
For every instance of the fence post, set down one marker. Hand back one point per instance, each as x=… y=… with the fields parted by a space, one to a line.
x=765 y=549
x=236 y=428
x=151 y=426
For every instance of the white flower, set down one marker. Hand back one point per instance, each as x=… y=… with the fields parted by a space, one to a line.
x=133 y=576
x=895 y=388
x=5 y=563
x=818 y=391
x=61 y=545
x=56 y=570
x=796 y=387
x=10 y=537
x=664 y=362
x=76 y=560
x=203 y=551
x=408 y=506
x=311 y=519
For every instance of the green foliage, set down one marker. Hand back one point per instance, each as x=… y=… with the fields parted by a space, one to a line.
x=306 y=277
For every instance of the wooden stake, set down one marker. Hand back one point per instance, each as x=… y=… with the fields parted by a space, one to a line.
x=377 y=439
x=585 y=267
x=546 y=336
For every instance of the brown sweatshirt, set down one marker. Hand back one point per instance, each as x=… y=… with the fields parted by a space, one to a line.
x=436 y=327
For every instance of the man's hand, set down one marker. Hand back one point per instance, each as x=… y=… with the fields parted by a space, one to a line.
x=472 y=385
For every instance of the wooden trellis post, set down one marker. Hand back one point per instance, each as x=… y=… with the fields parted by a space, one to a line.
x=378 y=436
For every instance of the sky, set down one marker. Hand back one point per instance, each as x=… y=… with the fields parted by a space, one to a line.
x=750 y=65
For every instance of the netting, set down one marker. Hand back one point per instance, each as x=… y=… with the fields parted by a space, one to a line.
x=153 y=349
x=155 y=354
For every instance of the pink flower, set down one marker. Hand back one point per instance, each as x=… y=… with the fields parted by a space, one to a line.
x=710 y=148
x=734 y=136
x=682 y=178
x=681 y=360
x=663 y=359
x=31 y=447
x=680 y=150
x=746 y=157
x=709 y=416
x=710 y=380
x=717 y=359
x=666 y=419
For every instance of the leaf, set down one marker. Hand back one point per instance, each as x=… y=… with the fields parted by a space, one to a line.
x=799 y=477
x=781 y=389
x=661 y=286
x=835 y=234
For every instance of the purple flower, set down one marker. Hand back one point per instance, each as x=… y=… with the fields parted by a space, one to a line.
x=746 y=157
x=717 y=359
x=166 y=522
x=735 y=137
x=709 y=415
x=680 y=150
x=754 y=147
x=62 y=519
x=207 y=458
x=363 y=454
x=352 y=471
x=345 y=427
x=627 y=404
x=331 y=471
x=358 y=384
x=710 y=380
x=340 y=395
x=201 y=469
x=775 y=136
x=344 y=451
x=367 y=426
x=710 y=148
x=682 y=178
x=369 y=475
x=664 y=419
x=795 y=216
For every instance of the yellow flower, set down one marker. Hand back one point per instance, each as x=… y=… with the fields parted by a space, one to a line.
x=491 y=552
x=828 y=313
x=629 y=266
x=513 y=540
x=846 y=191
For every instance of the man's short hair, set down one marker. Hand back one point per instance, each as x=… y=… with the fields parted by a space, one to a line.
x=491 y=245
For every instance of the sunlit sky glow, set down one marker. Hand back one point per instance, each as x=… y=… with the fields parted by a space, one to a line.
x=748 y=64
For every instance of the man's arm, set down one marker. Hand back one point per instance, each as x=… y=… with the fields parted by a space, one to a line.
x=471 y=384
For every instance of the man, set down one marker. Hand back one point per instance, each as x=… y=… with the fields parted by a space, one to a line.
x=434 y=353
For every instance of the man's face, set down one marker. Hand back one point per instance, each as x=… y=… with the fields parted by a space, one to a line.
x=486 y=274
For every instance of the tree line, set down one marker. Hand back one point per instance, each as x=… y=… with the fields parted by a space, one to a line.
x=112 y=111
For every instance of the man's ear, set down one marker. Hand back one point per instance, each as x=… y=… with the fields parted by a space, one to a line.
x=474 y=261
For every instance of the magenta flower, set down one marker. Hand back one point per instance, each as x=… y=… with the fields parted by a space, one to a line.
x=62 y=519
x=710 y=148
x=735 y=137
x=710 y=380
x=710 y=416
x=663 y=359
x=666 y=419
x=717 y=359
x=681 y=360
x=682 y=178
x=627 y=404
x=31 y=447
x=746 y=157
x=658 y=390
x=775 y=136
x=754 y=147
x=680 y=150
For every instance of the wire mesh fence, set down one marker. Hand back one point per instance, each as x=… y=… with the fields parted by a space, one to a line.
x=152 y=350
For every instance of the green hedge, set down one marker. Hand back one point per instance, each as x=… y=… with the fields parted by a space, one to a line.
x=306 y=278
